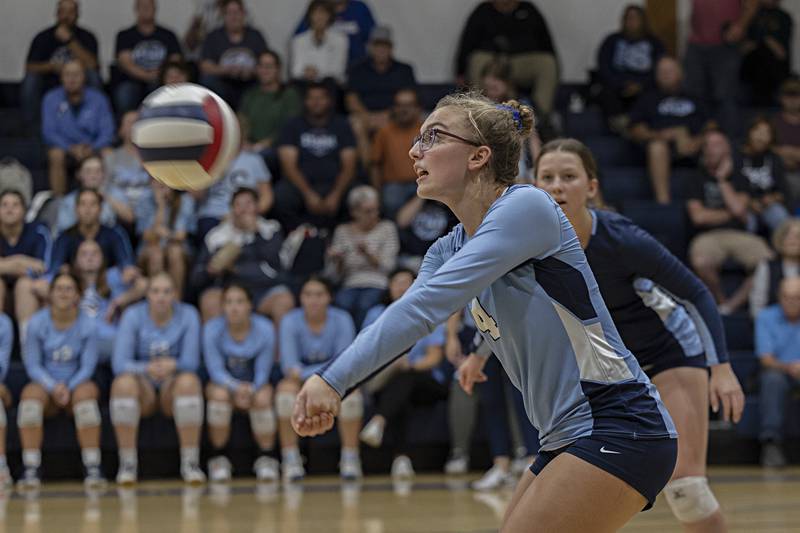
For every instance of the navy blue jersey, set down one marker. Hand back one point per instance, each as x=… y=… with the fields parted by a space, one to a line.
x=658 y=305
x=536 y=303
x=113 y=241
x=34 y=241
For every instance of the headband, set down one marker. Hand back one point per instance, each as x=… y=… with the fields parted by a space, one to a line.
x=514 y=113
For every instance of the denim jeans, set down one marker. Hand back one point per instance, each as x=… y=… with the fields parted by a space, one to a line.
x=775 y=387
x=357 y=301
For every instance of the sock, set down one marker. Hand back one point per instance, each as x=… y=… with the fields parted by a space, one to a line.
x=128 y=456
x=291 y=455
x=3 y=462
x=31 y=458
x=349 y=454
x=23 y=331
x=190 y=455
x=91 y=457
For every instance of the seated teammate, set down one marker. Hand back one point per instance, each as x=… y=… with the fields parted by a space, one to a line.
x=238 y=350
x=60 y=357
x=155 y=360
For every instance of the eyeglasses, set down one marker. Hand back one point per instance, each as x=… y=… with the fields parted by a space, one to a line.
x=428 y=138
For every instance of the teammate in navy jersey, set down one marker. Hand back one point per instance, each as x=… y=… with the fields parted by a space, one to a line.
x=238 y=349
x=608 y=445
x=60 y=357
x=310 y=336
x=155 y=360
x=6 y=343
x=24 y=256
x=665 y=316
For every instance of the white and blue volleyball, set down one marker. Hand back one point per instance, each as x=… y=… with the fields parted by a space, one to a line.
x=186 y=136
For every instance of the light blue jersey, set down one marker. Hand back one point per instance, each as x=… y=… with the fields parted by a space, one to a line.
x=230 y=362
x=247 y=170
x=94 y=306
x=54 y=356
x=537 y=305
x=139 y=340
x=6 y=343
x=307 y=351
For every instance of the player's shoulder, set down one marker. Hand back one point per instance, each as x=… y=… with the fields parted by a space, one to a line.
x=136 y=311
x=617 y=228
x=261 y=323
x=187 y=311
x=292 y=318
x=215 y=326
x=40 y=319
x=338 y=315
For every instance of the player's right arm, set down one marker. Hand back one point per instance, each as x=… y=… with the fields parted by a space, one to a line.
x=123 y=358
x=213 y=357
x=32 y=356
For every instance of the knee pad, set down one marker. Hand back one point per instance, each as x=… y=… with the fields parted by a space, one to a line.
x=3 y=420
x=690 y=499
x=218 y=413
x=87 y=414
x=187 y=411
x=284 y=404
x=30 y=413
x=352 y=407
x=125 y=411
x=262 y=421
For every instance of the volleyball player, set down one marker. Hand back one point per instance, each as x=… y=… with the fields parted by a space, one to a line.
x=665 y=316
x=309 y=337
x=608 y=445
x=238 y=349
x=60 y=357
x=155 y=360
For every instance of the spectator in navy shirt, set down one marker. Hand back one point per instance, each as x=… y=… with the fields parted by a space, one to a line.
x=24 y=253
x=627 y=62
x=318 y=161
x=50 y=51
x=354 y=19
x=777 y=341
x=230 y=54
x=372 y=84
x=113 y=241
x=763 y=170
x=141 y=50
x=668 y=123
x=76 y=122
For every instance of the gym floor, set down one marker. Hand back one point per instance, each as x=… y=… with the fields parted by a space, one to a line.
x=753 y=499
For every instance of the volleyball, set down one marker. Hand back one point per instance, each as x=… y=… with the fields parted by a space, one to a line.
x=186 y=136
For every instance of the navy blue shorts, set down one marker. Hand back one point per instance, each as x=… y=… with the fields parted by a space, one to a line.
x=644 y=464
x=653 y=366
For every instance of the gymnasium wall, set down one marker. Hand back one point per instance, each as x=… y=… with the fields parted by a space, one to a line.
x=426 y=31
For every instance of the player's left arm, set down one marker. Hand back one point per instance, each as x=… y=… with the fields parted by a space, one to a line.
x=655 y=262
x=495 y=249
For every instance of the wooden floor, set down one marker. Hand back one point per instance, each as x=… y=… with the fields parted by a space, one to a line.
x=754 y=500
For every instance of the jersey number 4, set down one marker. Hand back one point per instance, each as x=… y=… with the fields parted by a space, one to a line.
x=483 y=320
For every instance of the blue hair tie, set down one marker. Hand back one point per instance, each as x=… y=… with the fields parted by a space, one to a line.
x=514 y=113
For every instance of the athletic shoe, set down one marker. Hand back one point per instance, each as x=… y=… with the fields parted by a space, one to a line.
x=93 y=478
x=457 y=464
x=219 y=469
x=402 y=468
x=5 y=477
x=772 y=455
x=520 y=465
x=372 y=434
x=126 y=475
x=29 y=480
x=293 y=471
x=266 y=469
x=191 y=474
x=493 y=479
x=350 y=469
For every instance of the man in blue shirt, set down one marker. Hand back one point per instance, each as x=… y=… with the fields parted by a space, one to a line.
x=778 y=347
x=76 y=121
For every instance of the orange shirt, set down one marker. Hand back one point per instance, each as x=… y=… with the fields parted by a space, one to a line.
x=390 y=151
